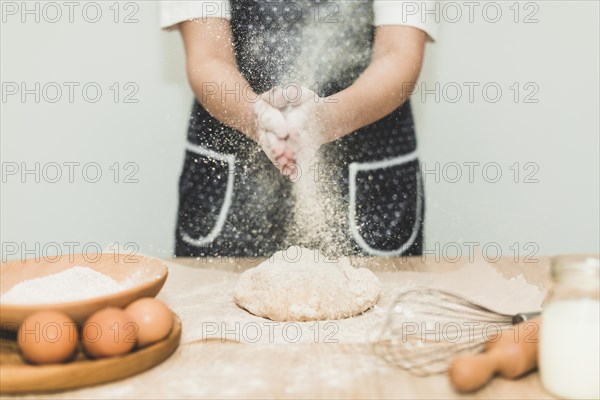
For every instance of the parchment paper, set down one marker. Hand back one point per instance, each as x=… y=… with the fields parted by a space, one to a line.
x=203 y=300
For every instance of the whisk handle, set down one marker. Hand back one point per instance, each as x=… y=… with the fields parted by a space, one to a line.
x=469 y=373
x=510 y=355
x=523 y=317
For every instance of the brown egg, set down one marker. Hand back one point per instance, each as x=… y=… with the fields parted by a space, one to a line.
x=108 y=332
x=47 y=337
x=153 y=318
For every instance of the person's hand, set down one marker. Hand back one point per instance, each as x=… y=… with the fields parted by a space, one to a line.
x=273 y=134
x=305 y=115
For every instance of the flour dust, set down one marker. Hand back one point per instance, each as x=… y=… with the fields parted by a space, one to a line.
x=333 y=45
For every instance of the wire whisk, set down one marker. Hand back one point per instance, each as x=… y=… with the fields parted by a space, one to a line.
x=426 y=328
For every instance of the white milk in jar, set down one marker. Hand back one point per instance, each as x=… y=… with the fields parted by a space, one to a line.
x=569 y=352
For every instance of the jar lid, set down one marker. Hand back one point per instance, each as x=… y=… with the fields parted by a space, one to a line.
x=588 y=265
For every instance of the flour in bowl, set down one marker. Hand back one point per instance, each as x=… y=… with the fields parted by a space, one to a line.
x=73 y=284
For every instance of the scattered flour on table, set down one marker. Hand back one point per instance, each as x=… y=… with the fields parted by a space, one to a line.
x=73 y=284
x=305 y=288
x=204 y=300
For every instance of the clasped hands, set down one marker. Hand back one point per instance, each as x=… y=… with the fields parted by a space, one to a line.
x=286 y=121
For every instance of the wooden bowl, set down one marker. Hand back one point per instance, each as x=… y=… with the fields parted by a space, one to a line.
x=150 y=272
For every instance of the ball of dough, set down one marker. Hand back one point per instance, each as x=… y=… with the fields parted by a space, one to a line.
x=292 y=286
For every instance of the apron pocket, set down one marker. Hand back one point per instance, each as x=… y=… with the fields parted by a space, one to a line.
x=385 y=204
x=206 y=193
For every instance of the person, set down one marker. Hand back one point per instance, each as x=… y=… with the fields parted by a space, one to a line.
x=348 y=67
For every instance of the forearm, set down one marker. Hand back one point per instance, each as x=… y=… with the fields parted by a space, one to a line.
x=383 y=86
x=370 y=98
x=224 y=93
x=214 y=75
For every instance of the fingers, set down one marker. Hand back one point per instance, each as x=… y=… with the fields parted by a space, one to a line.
x=284 y=161
x=271 y=145
x=289 y=153
x=270 y=119
x=288 y=167
x=287 y=159
x=297 y=121
x=279 y=151
x=276 y=145
x=275 y=130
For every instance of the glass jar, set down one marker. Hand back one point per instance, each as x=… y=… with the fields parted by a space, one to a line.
x=569 y=352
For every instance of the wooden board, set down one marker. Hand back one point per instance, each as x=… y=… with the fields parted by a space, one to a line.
x=16 y=376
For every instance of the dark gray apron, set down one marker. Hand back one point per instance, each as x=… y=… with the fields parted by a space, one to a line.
x=234 y=202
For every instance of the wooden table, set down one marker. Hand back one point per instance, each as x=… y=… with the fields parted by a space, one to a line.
x=215 y=369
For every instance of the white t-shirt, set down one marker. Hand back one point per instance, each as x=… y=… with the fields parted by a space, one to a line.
x=419 y=14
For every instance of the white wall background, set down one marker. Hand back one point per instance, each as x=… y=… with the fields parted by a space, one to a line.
x=559 y=134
